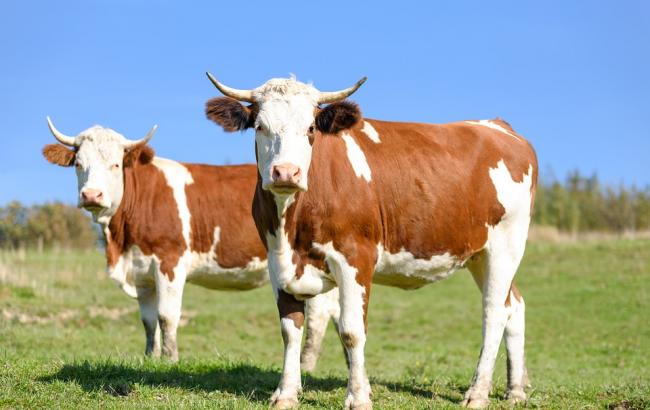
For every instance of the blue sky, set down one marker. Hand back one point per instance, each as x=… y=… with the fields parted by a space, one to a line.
x=573 y=77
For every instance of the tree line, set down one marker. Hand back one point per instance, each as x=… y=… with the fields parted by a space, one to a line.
x=46 y=226
x=578 y=204
x=584 y=204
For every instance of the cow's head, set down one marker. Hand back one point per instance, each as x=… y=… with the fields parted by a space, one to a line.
x=99 y=156
x=286 y=115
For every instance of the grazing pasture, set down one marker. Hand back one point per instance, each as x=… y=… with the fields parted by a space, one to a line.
x=70 y=338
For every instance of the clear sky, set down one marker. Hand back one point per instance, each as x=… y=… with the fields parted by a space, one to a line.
x=573 y=77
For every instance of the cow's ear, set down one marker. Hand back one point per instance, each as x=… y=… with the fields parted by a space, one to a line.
x=337 y=117
x=230 y=113
x=58 y=154
x=140 y=154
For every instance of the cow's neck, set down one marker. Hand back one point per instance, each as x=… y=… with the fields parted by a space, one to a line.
x=116 y=228
x=282 y=205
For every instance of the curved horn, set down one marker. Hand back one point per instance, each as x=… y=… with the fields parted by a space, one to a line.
x=62 y=138
x=241 y=95
x=130 y=144
x=330 y=97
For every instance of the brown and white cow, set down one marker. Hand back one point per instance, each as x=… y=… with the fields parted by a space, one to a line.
x=167 y=223
x=343 y=201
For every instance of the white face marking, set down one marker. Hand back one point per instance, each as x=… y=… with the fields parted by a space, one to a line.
x=403 y=270
x=286 y=111
x=494 y=126
x=357 y=158
x=370 y=131
x=99 y=161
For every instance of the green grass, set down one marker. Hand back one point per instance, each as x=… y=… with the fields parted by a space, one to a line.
x=70 y=338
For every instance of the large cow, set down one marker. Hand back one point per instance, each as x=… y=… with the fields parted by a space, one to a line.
x=342 y=201
x=167 y=223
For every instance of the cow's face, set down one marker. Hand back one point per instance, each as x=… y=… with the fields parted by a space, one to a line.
x=99 y=156
x=286 y=116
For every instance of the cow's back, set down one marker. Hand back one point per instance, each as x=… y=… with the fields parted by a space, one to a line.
x=425 y=194
x=189 y=215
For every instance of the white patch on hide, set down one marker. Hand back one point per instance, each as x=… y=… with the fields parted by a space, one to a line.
x=357 y=158
x=282 y=270
x=370 y=131
x=178 y=176
x=494 y=126
x=403 y=270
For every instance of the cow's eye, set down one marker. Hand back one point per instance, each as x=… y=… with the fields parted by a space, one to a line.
x=311 y=129
x=77 y=165
x=259 y=128
x=115 y=166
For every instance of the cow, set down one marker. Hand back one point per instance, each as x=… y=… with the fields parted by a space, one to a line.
x=344 y=201
x=166 y=223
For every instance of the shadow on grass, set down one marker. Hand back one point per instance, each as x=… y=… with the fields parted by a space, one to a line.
x=247 y=381
x=444 y=393
x=244 y=380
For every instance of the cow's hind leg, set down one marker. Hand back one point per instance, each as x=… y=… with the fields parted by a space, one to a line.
x=318 y=311
x=515 y=339
x=494 y=270
x=170 y=298
x=148 y=301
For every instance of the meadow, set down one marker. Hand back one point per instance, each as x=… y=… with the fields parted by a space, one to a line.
x=70 y=339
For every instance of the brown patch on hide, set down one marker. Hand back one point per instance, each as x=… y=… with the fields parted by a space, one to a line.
x=515 y=292
x=147 y=218
x=221 y=197
x=291 y=308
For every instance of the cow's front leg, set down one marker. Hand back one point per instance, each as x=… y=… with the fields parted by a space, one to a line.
x=148 y=301
x=292 y=319
x=170 y=298
x=353 y=277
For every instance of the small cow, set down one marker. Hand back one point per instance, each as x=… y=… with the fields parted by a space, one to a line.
x=166 y=223
x=343 y=201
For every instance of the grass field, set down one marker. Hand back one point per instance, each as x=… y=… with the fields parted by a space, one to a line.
x=70 y=338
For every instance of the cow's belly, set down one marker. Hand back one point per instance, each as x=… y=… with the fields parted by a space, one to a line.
x=206 y=272
x=404 y=271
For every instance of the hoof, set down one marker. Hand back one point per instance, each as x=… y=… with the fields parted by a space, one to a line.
x=475 y=403
x=284 y=404
x=516 y=396
x=362 y=406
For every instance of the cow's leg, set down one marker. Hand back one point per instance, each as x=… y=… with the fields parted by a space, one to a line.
x=148 y=301
x=353 y=277
x=291 y=325
x=515 y=338
x=494 y=270
x=170 y=298
x=318 y=310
